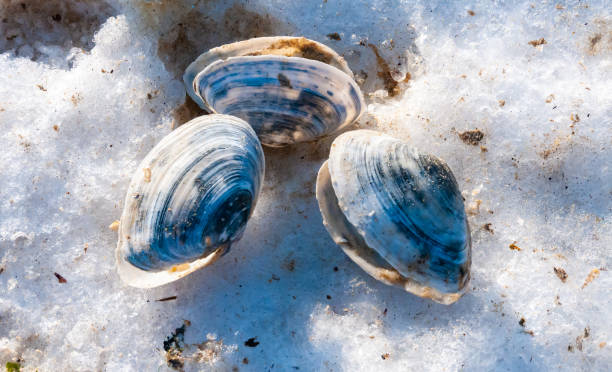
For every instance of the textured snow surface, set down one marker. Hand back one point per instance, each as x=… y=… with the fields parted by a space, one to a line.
x=84 y=96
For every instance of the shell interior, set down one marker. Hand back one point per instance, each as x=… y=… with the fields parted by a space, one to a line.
x=189 y=200
x=397 y=213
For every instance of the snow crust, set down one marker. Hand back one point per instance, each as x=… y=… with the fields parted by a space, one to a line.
x=83 y=99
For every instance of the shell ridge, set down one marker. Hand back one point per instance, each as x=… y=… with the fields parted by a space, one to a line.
x=204 y=179
x=407 y=219
x=285 y=99
x=206 y=191
x=409 y=209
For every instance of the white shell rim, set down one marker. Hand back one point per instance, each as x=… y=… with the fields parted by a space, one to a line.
x=136 y=277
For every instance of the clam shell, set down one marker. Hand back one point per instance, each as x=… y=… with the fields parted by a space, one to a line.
x=287 y=46
x=397 y=213
x=189 y=200
x=286 y=99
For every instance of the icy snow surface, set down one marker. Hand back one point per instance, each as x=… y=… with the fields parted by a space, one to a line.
x=88 y=87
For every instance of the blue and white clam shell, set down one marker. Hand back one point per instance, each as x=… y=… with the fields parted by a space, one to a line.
x=286 y=99
x=189 y=200
x=397 y=213
x=288 y=46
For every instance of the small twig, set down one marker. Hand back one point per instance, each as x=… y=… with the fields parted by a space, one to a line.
x=166 y=299
x=60 y=278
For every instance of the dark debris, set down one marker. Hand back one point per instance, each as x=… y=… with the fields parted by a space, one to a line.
x=334 y=36
x=561 y=274
x=251 y=342
x=60 y=278
x=471 y=137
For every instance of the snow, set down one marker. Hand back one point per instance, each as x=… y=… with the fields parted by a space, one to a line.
x=83 y=99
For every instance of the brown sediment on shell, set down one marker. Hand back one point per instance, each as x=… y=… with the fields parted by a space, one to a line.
x=181 y=267
x=147 y=174
x=393 y=277
x=209 y=258
x=298 y=47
